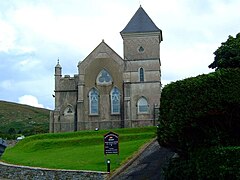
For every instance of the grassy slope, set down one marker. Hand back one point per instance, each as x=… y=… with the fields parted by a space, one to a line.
x=78 y=150
x=22 y=117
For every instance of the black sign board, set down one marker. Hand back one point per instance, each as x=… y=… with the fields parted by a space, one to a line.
x=111 y=143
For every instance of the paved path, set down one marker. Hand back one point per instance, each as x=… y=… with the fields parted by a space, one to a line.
x=148 y=166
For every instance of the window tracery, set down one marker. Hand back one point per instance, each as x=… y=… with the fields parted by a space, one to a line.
x=93 y=101
x=115 y=101
x=104 y=78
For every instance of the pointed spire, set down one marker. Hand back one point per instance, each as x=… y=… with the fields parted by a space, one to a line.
x=140 y=23
x=58 y=65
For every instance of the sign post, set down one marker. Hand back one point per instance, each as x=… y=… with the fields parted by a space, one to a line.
x=111 y=143
x=111 y=146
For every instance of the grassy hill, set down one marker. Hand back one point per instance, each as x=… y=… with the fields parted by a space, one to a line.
x=81 y=150
x=23 y=119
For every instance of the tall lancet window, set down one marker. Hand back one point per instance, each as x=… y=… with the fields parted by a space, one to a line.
x=141 y=74
x=115 y=101
x=93 y=101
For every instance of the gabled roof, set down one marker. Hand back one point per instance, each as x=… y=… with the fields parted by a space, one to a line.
x=102 y=51
x=140 y=23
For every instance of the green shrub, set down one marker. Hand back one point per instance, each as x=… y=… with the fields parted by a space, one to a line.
x=202 y=111
x=8 y=136
x=213 y=163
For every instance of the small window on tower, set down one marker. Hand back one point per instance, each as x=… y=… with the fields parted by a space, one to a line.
x=141 y=49
x=141 y=74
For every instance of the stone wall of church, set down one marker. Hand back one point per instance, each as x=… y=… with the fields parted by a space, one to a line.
x=89 y=74
x=153 y=74
x=151 y=91
x=66 y=92
x=142 y=46
x=62 y=118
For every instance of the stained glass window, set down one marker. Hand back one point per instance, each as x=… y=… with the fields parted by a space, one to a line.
x=93 y=101
x=142 y=105
x=104 y=78
x=115 y=101
x=141 y=75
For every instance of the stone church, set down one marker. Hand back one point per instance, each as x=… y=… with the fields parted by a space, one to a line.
x=110 y=91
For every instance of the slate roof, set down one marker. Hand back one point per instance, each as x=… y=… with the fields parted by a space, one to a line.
x=140 y=23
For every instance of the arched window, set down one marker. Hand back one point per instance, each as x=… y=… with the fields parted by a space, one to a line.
x=142 y=105
x=104 y=78
x=115 y=101
x=93 y=101
x=141 y=74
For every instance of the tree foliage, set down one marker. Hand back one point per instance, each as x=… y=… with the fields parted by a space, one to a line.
x=228 y=54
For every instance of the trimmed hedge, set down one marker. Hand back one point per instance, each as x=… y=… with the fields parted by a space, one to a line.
x=202 y=111
x=213 y=163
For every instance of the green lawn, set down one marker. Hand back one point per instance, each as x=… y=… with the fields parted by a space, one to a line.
x=82 y=150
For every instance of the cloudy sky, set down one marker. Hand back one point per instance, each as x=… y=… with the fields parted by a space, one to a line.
x=35 y=33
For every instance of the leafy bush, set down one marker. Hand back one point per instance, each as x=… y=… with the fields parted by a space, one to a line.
x=8 y=136
x=203 y=111
x=213 y=163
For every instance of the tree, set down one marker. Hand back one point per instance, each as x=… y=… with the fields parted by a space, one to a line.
x=228 y=54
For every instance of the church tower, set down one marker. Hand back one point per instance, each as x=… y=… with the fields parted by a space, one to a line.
x=141 y=37
x=142 y=76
